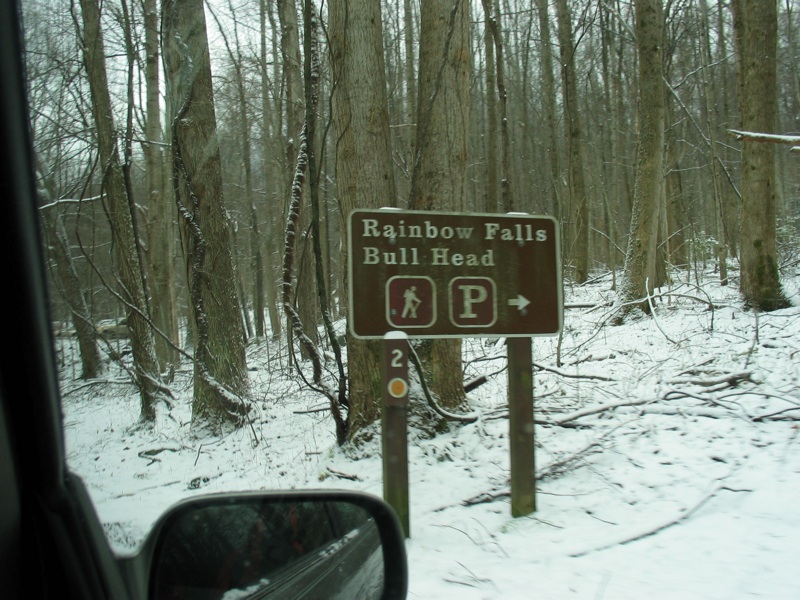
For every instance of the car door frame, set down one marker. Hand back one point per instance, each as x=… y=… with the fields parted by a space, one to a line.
x=48 y=522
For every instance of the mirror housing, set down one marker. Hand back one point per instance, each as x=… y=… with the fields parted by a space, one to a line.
x=296 y=544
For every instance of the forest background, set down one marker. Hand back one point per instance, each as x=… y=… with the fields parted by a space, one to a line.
x=197 y=162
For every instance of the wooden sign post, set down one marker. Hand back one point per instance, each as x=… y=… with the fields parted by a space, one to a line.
x=395 y=425
x=520 y=426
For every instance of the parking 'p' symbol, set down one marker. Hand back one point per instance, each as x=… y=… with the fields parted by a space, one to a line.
x=473 y=301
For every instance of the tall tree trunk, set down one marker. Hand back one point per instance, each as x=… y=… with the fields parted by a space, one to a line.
x=243 y=122
x=439 y=179
x=549 y=110
x=755 y=33
x=160 y=230
x=119 y=211
x=578 y=201
x=364 y=173
x=409 y=151
x=712 y=118
x=220 y=368
x=311 y=77
x=492 y=10
x=731 y=197
x=305 y=298
x=267 y=142
x=57 y=244
x=492 y=192
x=640 y=260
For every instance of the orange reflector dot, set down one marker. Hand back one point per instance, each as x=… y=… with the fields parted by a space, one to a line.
x=398 y=387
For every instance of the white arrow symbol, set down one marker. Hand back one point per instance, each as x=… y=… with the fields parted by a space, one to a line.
x=520 y=302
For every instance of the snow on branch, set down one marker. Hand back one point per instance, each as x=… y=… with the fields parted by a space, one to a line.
x=752 y=136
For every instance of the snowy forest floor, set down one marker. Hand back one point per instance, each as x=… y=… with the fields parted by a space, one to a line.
x=667 y=452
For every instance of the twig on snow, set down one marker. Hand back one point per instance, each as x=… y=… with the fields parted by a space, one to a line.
x=719 y=486
x=342 y=475
x=653 y=311
x=561 y=373
x=777 y=413
x=726 y=380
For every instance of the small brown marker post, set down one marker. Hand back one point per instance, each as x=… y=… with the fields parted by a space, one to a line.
x=520 y=426
x=394 y=425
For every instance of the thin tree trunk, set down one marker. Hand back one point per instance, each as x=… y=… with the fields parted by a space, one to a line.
x=712 y=116
x=160 y=231
x=493 y=17
x=119 y=211
x=305 y=298
x=492 y=186
x=578 y=201
x=70 y=287
x=549 y=116
x=267 y=142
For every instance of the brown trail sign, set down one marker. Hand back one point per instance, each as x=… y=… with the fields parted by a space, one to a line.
x=434 y=274
x=422 y=274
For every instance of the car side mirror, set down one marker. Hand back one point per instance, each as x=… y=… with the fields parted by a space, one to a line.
x=298 y=544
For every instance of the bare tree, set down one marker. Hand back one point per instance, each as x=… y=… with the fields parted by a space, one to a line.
x=578 y=200
x=220 y=369
x=266 y=118
x=161 y=211
x=755 y=34
x=549 y=111
x=292 y=61
x=439 y=178
x=364 y=174
x=120 y=213
x=70 y=287
x=639 y=275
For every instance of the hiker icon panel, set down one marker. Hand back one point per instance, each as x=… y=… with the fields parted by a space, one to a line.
x=410 y=301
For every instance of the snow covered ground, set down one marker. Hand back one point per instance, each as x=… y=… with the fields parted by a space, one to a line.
x=667 y=451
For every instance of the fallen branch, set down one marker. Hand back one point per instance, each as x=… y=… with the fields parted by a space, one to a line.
x=585 y=412
x=706 y=413
x=653 y=311
x=341 y=475
x=726 y=380
x=474 y=384
x=555 y=468
x=560 y=373
x=574 y=305
x=150 y=455
x=777 y=413
x=675 y=521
